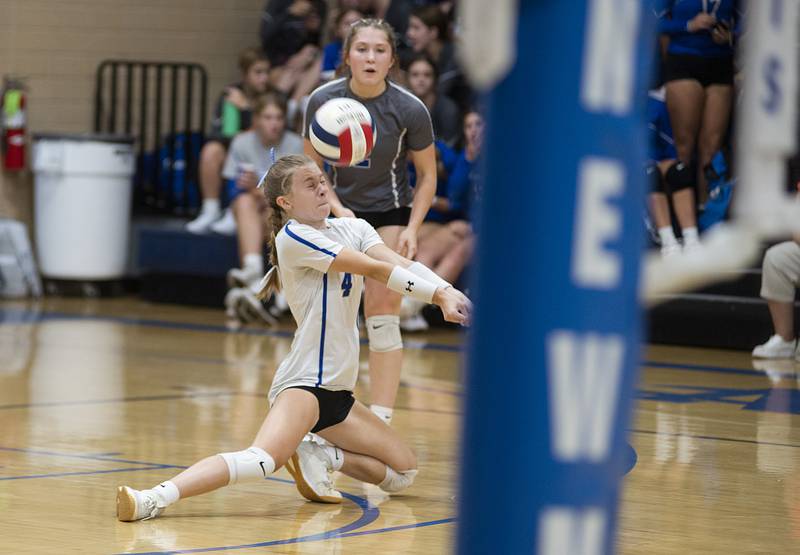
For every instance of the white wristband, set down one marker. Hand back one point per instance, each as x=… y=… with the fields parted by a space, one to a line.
x=426 y=273
x=411 y=285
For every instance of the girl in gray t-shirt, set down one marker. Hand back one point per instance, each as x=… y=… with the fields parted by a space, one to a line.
x=378 y=189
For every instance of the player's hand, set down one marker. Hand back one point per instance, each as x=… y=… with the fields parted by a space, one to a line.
x=721 y=34
x=246 y=181
x=236 y=97
x=456 y=307
x=701 y=22
x=407 y=243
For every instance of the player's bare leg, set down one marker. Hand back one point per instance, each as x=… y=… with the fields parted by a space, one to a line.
x=294 y=412
x=382 y=310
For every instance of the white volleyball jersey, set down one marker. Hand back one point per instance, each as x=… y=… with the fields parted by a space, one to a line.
x=324 y=303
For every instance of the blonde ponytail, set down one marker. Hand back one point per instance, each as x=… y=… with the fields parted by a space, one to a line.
x=278 y=182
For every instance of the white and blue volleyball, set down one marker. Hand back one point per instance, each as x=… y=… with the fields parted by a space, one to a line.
x=343 y=132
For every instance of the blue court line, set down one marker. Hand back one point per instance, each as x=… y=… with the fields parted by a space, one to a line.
x=15 y=316
x=396 y=528
x=707 y=368
x=714 y=438
x=93 y=457
x=167 y=397
x=369 y=512
x=84 y=473
x=10 y=317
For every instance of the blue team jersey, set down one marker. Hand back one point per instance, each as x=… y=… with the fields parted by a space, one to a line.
x=674 y=15
x=661 y=144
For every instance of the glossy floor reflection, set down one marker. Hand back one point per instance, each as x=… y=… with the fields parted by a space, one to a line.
x=98 y=393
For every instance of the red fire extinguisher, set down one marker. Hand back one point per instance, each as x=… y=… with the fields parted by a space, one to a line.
x=13 y=118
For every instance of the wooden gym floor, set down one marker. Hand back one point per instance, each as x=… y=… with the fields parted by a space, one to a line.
x=94 y=394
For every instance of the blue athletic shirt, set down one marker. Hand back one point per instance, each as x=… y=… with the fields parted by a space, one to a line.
x=456 y=187
x=675 y=15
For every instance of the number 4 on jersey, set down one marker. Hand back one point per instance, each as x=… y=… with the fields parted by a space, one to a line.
x=347 y=285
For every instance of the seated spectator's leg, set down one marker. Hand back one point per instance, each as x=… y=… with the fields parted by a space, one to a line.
x=426 y=229
x=456 y=259
x=247 y=208
x=433 y=247
x=212 y=157
x=716 y=115
x=780 y=276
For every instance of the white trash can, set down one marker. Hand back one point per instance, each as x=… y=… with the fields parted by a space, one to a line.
x=82 y=205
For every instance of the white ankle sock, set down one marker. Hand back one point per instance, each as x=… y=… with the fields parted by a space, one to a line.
x=211 y=206
x=690 y=236
x=255 y=261
x=384 y=413
x=168 y=492
x=335 y=455
x=667 y=236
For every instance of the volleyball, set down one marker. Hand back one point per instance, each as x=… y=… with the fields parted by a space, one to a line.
x=343 y=132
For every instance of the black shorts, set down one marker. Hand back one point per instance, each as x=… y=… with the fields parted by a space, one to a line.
x=706 y=71
x=334 y=406
x=396 y=216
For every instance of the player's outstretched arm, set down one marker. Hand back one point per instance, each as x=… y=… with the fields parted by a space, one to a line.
x=455 y=306
x=382 y=252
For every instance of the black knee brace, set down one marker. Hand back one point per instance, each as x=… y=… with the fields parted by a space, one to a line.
x=679 y=176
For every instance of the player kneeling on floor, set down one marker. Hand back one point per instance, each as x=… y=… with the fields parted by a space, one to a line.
x=320 y=266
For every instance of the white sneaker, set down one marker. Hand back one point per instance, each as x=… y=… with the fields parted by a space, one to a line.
x=411 y=307
x=414 y=323
x=775 y=347
x=226 y=225
x=668 y=251
x=241 y=304
x=311 y=470
x=133 y=504
x=692 y=246
x=203 y=221
x=243 y=277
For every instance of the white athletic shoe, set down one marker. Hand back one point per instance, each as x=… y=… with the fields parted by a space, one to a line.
x=226 y=225
x=692 y=246
x=414 y=323
x=203 y=221
x=410 y=307
x=242 y=305
x=775 y=347
x=133 y=504
x=244 y=277
x=311 y=470
x=668 y=251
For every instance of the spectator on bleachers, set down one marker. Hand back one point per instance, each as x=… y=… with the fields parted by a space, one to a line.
x=429 y=32
x=669 y=178
x=231 y=115
x=332 y=53
x=291 y=35
x=422 y=78
x=250 y=157
x=698 y=73
x=447 y=238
